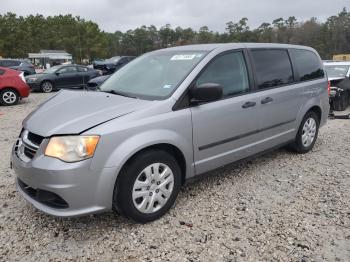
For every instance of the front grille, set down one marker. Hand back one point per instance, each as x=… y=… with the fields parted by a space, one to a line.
x=45 y=197
x=27 y=145
x=29 y=152
x=36 y=139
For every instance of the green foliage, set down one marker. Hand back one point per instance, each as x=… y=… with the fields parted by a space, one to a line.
x=84 y=40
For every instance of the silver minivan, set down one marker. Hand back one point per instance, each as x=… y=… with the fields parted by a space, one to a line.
x=167 y=116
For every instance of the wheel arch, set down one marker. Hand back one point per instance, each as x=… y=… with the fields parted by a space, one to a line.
x=10 y=88
x=172 y=149
x=314 y=105
x=317 y=110
x=167 y=147
x=47 y=80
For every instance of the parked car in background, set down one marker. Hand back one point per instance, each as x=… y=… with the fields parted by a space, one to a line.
x=338 y=73
x=12 y=86
x=96 y=82
x=61 y=76
x=170 y=115
x=111 y=65
x=20 y=65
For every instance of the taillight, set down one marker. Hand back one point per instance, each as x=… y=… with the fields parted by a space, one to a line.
x=329 y=88
x=21 y=75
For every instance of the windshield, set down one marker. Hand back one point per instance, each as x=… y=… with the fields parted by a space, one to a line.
x=154 y=75
x=52 y=70
x=337 y=70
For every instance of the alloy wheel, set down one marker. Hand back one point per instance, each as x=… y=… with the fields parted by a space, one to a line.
x=46 y=87
x=9 y=97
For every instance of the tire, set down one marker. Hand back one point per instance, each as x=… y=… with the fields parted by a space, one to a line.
x=9 y=97
x=308 y=129
x=138 y=195
x=46 y=87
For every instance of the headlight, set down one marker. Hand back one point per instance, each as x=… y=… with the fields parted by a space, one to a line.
x=72 y=148
x=32 y=79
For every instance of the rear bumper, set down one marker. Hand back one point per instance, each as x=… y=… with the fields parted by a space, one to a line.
x=23 y=89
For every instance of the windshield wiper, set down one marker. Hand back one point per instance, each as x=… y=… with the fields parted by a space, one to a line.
x=118 y=93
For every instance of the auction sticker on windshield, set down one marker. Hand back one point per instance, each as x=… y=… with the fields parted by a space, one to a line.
x=183 y=57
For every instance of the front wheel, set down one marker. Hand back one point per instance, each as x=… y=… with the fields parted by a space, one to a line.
x=148 y=186
x=46 y=87
x=307 y=133
x=9 y=97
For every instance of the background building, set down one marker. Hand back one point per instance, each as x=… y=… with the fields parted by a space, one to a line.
x=48 y=58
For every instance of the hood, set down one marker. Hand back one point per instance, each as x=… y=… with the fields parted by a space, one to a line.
x=335 y=78
x=72 y=112
x=35 y=76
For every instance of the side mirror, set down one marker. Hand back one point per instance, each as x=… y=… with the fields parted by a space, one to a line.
x=206 y=92
x=57 y=73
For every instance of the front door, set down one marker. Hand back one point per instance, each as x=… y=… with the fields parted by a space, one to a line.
x=67 y=77
x=225 y=130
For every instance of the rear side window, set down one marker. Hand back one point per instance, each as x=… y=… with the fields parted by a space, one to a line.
x=228 y=70
x=308 y=64
x=273 y=68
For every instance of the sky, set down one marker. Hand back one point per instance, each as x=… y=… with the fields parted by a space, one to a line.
x=113 y=15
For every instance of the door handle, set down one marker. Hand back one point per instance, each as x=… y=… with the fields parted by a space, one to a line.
x=266 y=100
x=248 y=104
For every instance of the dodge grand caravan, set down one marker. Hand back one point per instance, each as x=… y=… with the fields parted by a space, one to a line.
x=167 y=116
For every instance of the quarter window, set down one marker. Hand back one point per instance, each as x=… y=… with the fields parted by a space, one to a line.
x=230 y=71
x=308 y=64
x=273 y=68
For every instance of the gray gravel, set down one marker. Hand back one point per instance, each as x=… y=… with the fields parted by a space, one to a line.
x=279 y=207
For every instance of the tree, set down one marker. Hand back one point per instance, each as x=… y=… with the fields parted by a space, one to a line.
x=85 y=40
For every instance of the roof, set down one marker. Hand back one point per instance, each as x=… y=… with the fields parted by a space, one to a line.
x=344 y=63
x=51 y=54
x=53 y=51
x=210 y=47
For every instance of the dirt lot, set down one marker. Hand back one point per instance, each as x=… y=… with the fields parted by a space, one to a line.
x=279 y=207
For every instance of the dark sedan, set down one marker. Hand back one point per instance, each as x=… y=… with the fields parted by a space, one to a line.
x=96 y=82
x=111 y=65
x=62 y=76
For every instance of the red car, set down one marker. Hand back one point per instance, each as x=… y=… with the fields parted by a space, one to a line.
x=12 y=86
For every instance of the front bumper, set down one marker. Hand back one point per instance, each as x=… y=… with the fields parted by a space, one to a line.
x=85 y=190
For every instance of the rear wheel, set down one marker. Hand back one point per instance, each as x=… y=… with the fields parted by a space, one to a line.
x=9 y=97
x=148 y=186
x=46 y=87
x=307 y=133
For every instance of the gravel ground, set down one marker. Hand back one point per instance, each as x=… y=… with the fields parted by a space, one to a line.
x=279 y=207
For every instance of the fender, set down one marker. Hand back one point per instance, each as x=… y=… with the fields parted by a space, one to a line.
x=312 y=102
x=140 y=141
